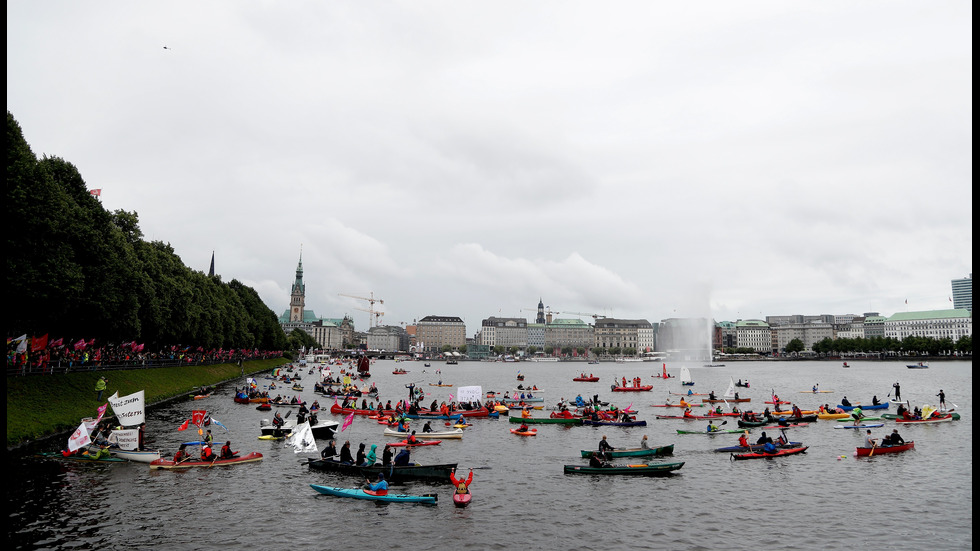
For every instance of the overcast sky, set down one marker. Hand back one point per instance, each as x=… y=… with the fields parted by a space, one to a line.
x=630 y=159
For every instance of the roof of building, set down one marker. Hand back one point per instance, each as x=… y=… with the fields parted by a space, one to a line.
x=930 y=315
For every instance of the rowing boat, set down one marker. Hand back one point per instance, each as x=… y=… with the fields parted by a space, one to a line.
x=169 y=464
x=652 y=469
x=633 y=452
x=383 y=495
x=865 y=452
x=763 y=455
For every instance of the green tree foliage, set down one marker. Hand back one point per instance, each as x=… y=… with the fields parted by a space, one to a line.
x=795 y=346
x=77 y=270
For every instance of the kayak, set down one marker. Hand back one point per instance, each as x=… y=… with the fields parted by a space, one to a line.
x=698 y=417
x=724 y=400
x=168 y=464
x=815 y=391
x=712 y=433
x=393 y=473
x=139 y=456
x=645 y=388
x=404 y=443
x=943 y=419
x=382 y=495
x=833 y=416
x=531 y=432
x=763 y=455
x=462 y=500
x=586 y=379
x=849 y=408
x=547 y=420
x=79 y=458
x=865 y=452
x=864 y=426
x=633 y=452
x=678 y=405
x=652 y=469
x=689 y=394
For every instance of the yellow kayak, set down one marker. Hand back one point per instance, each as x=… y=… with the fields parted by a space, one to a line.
x=833 y=415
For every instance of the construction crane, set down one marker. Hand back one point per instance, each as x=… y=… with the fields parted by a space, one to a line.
x=594 y=316
x=374 y=315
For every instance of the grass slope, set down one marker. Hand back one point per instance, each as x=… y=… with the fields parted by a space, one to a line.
x=43 y=405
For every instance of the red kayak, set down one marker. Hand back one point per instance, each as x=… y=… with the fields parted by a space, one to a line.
x=462 y=500
x=633 y=388
x=586 y=379
x=530 y=432
x=420 y=443
x=763 y=455
x=878 y=450
x=169 y=464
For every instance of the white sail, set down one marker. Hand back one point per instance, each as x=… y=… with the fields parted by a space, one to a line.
x=730 y=393
x=130 y=410
x=302 y=439
x=685 y=375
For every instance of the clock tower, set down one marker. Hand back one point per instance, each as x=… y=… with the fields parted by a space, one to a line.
x=297 y=297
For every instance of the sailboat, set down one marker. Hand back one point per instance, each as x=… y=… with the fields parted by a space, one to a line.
x=686 y=377
x=126 y=441
x=730 y=393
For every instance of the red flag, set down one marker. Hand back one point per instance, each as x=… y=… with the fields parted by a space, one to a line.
x=57 y=343
x=96 y=192
x=197 y=416
x=80 y=345
x=39 y=343
x=184 y=426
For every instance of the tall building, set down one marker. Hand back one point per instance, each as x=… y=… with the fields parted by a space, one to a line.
x=963 y=293
x=506 y=332
x=297 y=295
x=329 y=333
x=540 y=319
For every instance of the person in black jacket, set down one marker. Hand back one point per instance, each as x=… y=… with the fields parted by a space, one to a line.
x=345 y=456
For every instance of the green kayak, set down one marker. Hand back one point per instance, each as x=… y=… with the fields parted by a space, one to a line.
x=653 y=469
x=80 y=458
x=634 y=452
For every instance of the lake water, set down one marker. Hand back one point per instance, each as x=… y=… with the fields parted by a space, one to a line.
x=521 y=498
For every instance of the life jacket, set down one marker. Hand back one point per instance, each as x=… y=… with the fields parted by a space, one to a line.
x=461 y=489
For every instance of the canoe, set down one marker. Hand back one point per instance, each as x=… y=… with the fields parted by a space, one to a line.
x=546 y=420
x=756 y=447
x=531 y=432
x=645 y=388
x=849 y=408
x=168 y=464
x=943 y=419
x=652 y=469
x=392 y=473
x=79 y=458
x=763 y=455
x=251 y=400
x=862 y=426
x=878 y=450
x=633 y=452
x=698 y=417
x=590 y=422
x=723 y=431
x=139 y=456
x=790 y=412
x=462 y=500
x=586 y=379
x=803 y=419
x=357 y=493
x=441 y=435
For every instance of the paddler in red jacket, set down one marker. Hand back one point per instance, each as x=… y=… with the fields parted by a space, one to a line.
x=462 y=486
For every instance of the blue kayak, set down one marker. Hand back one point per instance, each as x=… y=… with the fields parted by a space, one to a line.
x=867 y=426
x=373 y=496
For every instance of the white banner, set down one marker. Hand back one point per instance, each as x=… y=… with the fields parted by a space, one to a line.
x=128 y=439
x=469 y=394
x=79 y=438
x=130 y=410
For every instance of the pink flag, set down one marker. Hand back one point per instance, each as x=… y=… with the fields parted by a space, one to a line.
x=347 y=422
x=450 y=397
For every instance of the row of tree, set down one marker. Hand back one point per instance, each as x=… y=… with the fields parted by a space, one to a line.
x=75 y=269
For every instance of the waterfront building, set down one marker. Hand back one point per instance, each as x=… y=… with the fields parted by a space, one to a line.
x=852 y=330
x=329 y=333
x=434 y=332
x=506 y=332
x=388 y=338
x=937 y=324
x=727 y=330
x=963 y=293
x=574 y=333
x=874 y=325
x=754 y=334
x=808 y=333
x=536 y=335
x=619 y=333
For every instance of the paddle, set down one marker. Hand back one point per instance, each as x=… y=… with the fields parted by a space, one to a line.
x=873 y=446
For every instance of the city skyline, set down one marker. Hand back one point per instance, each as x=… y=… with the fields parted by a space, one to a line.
x=644 y=162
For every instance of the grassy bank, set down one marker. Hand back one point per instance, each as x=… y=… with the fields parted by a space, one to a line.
x=40 y=406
